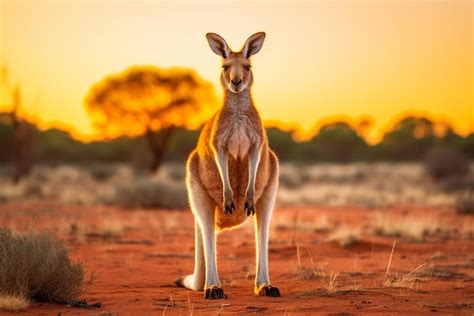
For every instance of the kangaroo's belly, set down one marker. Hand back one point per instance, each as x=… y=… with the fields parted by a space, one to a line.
x=238 y=177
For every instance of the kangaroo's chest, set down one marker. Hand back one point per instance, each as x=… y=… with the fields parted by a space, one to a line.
x=241 y=136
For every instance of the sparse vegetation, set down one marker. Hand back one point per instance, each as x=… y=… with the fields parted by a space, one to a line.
x=405 y=280
x=151 y=193
x=331 y=282
x=101 y=172
x=465 y=203
x=413 y=229
x=37 y=266
x=371 y=186
x=344 y=236
x=444 y=162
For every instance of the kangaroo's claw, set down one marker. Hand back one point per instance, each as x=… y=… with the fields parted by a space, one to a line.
x=229 y=208
x=249 y=208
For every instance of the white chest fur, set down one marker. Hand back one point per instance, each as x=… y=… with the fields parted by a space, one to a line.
x=241 y=136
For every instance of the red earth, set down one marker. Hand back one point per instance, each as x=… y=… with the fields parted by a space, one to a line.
x=134 y=256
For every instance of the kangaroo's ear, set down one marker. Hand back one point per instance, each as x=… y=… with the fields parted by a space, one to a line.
x=218 y=44
x=253 y=44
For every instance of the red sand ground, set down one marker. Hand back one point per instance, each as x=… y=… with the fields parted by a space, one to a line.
x=138 y=254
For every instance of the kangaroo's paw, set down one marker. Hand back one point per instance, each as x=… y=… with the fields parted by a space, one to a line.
x=249 y=208
x=214 y=293
x=229 y=207
x=267 y=290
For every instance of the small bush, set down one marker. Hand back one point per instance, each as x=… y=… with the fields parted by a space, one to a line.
x=465 y=203
x=444 y=162
x=13 y=303
x=151 y=193
x=457 y=183
x=37 y=266
x=345 y=236
x=290 y=177
x=101 y=172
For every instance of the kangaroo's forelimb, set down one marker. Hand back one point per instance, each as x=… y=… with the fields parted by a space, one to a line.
x=220 y=155
x=254 y=160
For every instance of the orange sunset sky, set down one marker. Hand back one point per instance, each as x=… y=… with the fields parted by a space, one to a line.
x=338 y=59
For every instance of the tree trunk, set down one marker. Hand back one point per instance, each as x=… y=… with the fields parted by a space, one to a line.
x=158 y=142
x=22 y=148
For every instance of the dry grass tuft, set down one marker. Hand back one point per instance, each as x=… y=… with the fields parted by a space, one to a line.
x=13 y=303
x=406 y=281
x=331 y=282
x=345 y=236
x=37 y=266
x=304 y=273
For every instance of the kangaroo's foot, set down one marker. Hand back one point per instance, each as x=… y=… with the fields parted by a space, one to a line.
x=188 y=282
x=267 y=290
x=214 y=293
x=180 y=281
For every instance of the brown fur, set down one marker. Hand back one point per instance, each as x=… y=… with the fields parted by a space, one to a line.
x=218 y=132
x=232 y=173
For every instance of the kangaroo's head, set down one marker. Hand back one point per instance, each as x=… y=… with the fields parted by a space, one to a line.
x=236 y=73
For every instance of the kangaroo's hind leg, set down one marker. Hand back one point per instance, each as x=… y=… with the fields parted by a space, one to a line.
x=264 y=210
x=203 y=207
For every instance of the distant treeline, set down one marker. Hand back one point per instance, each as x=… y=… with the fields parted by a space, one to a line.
x=409 y=140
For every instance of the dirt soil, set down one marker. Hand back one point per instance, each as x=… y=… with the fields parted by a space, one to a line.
x=132 y=259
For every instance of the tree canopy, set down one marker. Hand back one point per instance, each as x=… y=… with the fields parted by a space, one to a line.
x=150 y=101
x=145 y=98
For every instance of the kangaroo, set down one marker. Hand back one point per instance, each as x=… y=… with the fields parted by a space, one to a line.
x=231 y=174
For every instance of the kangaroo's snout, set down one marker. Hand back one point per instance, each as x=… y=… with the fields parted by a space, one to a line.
x=236 y=84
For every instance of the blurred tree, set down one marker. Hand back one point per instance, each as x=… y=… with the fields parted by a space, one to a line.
x=466 y=145
x=283 y=144
x=22 y=140
x=152 y=102
x=409 y=139
x=337 y=142
x=181 y=144
x=455 y=141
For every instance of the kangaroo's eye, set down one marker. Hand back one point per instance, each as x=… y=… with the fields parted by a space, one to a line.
x=247 y=68
x=225 y=67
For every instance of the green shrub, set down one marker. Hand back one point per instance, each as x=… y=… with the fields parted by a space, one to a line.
x=37 y=266
x=465 y=203
x=101 y=172
x=151 y=193
x=444 y=162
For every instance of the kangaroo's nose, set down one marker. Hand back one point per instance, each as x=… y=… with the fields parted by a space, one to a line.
x=236 y=82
